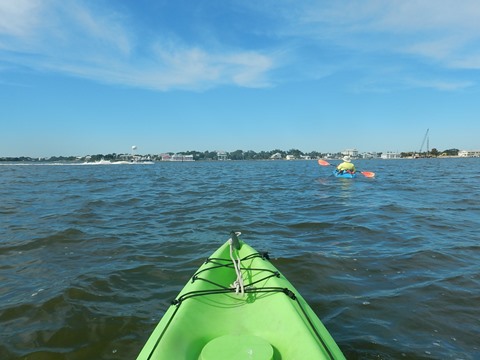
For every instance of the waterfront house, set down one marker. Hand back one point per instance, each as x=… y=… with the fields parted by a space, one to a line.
x=469 y=153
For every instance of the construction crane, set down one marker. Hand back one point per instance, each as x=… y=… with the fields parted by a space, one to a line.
x=423 y=143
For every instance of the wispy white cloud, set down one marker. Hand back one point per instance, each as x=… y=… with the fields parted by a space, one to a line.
x=189 y=66
x=382 y=41
x=19 y=18
x=441 y=35
x=57 y=31
x=99 y=44
x=443 y=85
x=392 y=24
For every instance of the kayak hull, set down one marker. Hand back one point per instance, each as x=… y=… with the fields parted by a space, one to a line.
x=270 y=319
x=345 y=175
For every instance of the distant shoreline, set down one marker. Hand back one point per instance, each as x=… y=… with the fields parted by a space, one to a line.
x=221 y=155
x=59 y=161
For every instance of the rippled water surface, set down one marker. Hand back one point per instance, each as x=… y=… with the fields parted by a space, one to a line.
x=91 y=256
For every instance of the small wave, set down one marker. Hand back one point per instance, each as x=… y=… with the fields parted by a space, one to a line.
x=60 y=238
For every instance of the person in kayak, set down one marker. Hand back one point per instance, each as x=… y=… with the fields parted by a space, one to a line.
x=346 y=166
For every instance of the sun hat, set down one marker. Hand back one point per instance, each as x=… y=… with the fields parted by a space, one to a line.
x=346 y=158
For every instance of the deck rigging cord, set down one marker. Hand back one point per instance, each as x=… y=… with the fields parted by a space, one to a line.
x=238 y=284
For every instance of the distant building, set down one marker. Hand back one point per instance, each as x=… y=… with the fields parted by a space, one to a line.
x=221 y=155
x=369 y=155
x=391 y=155
x=350 y=152
x=469 y=153
x=276 y=156
x=181 y=157
x=290 y=157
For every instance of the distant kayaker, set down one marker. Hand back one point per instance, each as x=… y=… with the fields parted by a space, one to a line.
x=346 y=165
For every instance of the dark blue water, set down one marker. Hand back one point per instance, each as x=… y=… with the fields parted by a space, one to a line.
x=91 y=256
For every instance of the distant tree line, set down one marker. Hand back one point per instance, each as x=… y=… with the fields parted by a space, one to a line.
x=214 y=155
x=197 y=155
x=251 y=155
x=432 y=153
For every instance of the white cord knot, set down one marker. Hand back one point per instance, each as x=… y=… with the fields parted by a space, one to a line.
x=238 y=283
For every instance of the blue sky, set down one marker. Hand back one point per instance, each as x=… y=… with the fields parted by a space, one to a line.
x=98 y=76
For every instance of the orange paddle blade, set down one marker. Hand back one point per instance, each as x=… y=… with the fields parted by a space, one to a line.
x=323 y=162
x=368 y=173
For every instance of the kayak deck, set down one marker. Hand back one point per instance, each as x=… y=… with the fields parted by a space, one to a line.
x=263 y=315
x=344 y=174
